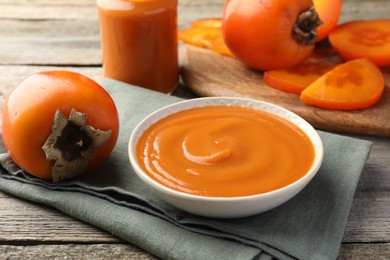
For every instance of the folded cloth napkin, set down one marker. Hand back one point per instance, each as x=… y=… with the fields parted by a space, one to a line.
x=309 y=226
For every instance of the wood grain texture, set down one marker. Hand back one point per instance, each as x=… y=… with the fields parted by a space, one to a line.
x=67 y=33
x=364 y=252
x=121 y=251
x=32 y=223
x=376 y=173
x=210 y=74
x=369 y=218
x=38 y=35
x=75 y=251
x=350 y=251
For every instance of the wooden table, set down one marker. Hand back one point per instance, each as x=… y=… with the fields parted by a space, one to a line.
x=37 y=35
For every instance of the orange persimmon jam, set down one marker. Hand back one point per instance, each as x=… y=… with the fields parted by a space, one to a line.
x=139 y=42
x=224 y=151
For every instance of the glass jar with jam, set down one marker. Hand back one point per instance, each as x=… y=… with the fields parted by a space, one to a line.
x=139 y=42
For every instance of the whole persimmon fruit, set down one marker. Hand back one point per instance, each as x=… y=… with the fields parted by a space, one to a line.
x=59 y=124
x=270 y=34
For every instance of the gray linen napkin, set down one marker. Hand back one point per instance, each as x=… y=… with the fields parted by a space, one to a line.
x=309 y=226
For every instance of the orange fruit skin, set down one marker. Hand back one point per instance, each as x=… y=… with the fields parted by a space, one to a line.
x=29 y=110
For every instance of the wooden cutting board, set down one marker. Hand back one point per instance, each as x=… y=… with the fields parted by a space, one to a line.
x=210 y=74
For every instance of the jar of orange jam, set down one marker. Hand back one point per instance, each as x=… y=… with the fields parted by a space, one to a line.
x=139 y=42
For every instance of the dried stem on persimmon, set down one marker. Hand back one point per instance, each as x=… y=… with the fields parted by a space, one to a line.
x=304 y=30
x=70 y=144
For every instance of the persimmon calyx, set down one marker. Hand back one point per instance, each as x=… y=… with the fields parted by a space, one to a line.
x=304 y=29
x=70 y=144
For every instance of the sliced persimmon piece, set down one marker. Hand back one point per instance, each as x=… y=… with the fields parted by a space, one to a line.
x=205 y=37
x=199 y=36
x=294 y=80
x=208 y=23
x=363 y=39
x=356 y=84
x=218 y=45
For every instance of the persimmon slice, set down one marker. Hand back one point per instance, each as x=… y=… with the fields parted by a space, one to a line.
x=206 y=33
x=218 y=45
x=294 y=80
x=199 y=36
x=208 y=23
x=363 y=39
x=356 y=84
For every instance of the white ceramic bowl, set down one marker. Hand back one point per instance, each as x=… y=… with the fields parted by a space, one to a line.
x=226 y=207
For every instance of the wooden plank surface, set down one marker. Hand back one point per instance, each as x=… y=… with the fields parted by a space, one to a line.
x=62 y=33
x=210 y=74
x=75 y=251
x=38 y=35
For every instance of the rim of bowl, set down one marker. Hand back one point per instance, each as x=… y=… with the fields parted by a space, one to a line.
x=238 y=101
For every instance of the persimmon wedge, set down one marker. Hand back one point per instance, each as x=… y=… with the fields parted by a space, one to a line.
x=206 y=33
x=363 y=39
x=294 y=80
x=199 y=36
x=208 y=23
x=353 y=85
